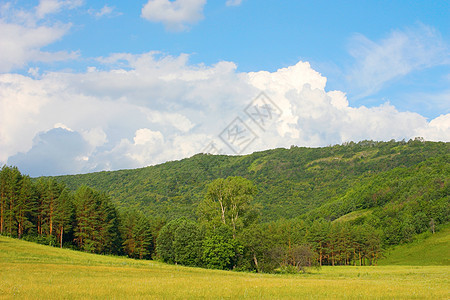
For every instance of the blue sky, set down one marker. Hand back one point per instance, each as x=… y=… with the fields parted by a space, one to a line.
x=134 y=83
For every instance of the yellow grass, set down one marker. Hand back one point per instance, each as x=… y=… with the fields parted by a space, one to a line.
x=33 y=271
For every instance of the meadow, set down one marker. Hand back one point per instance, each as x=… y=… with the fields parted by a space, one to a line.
x=35 y=271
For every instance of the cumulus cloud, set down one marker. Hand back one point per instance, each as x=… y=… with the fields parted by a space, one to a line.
x=138 y=110
x=402 y=52
x=57 y=151
x=175 y=15
x=22 y=36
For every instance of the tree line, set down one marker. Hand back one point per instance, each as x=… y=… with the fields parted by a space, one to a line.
x=228 y=235
x=46 y=211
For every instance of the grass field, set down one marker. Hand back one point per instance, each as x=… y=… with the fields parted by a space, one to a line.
x=28 y=270
x=427 y=250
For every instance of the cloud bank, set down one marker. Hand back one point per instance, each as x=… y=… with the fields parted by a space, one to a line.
x=133 y=110
x=138 y=110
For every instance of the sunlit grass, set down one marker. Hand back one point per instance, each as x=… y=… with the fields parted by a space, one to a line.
x=427 y=249
x=39 y=272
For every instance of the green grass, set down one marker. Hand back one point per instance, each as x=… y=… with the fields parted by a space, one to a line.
x=354 y=215
x=426 y=250
x=32 y=271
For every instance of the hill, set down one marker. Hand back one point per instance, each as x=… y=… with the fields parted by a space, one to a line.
x=326 y=182
x=33 y=271
x=427 y=249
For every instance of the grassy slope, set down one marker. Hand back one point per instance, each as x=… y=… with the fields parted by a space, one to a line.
x=427 y=249
x=34 y=271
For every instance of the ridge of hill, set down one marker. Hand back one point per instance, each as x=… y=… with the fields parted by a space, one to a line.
x=310 y=183
x=326 y=182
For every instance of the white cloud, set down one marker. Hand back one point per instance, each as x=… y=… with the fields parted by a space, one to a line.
x=104 y=11
x=21 y=45
x=402 y=52
x=437 y=129
x=175 y=15
x=47 y=7
x=21 y=37
x=233 y=2
x=137 y=110
x=56 y=151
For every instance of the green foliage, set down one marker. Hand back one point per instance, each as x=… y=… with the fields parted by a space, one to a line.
x=321 y=182
x=137 y=235
x=179 y=241
x=187 y=244
x=220 y=249
x=228 y=202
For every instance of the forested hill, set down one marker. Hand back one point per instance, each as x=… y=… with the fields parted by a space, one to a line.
x=327 y=182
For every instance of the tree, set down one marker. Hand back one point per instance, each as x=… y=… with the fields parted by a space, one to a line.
x=302 y=256
x=3 y=196
x=220 y=249
x=64 y=215
x=228 y=201
x=164 y=242
x=187 y=244
x=317 y=236
x=12 y=191
x=143 y=238
x=180 y=242
x=138 y=238
x=51 y=196
x=257 y=243
x=87 y=218
x=25 y=206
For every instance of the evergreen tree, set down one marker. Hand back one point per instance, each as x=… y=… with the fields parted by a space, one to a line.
x=25 y=207
x=87 y=219
x=64 y=215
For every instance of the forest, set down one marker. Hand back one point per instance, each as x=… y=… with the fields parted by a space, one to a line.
x=280 y=210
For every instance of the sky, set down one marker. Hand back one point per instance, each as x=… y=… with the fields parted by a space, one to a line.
x=87 y=86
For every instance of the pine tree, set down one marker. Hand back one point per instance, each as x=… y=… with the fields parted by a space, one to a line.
x=12 y=191
x=3 y=196
x=64 y=215
x=52 y=192
x=87 y=217
x=25 y=206
x=143 y=238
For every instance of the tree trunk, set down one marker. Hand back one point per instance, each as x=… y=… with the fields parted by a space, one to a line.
x=256 y=262
x=1 y=218
x=61 y=237
x=222 y=208
x=11 y=205
x=51 y=218
x=19 y=230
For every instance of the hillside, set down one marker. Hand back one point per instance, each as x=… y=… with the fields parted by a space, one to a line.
x=32 y=271
x=324 y=182
x=426 y=249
